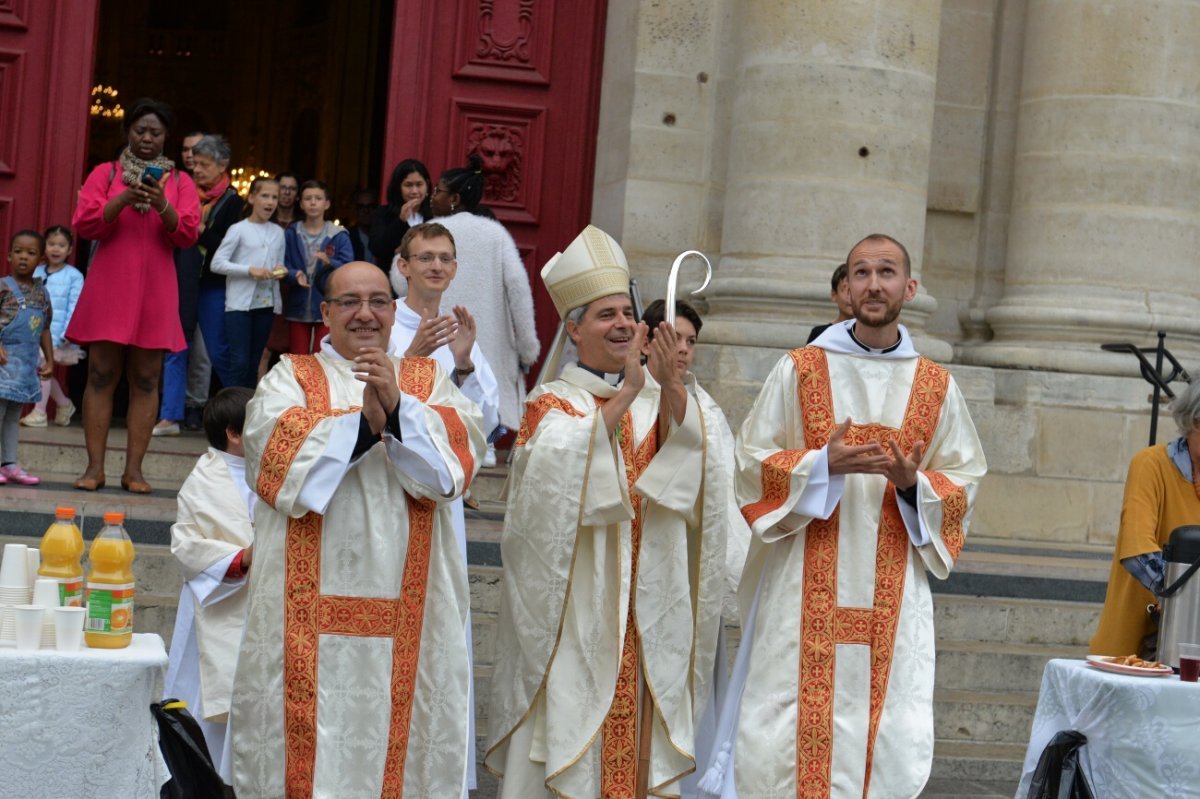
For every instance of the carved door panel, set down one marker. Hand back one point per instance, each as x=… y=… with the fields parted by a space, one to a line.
x=45 y=78
x=518 y=82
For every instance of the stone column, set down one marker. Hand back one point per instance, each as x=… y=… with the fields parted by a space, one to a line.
x=829 y=140
x=1105 y=233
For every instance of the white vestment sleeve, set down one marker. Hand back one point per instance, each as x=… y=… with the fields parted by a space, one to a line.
x=210 y=585
x=822 y=492
x=481 y=388
x=674 y=476
x=414 y=453
x=331 y=466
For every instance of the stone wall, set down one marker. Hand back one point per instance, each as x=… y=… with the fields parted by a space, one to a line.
x=772 y=136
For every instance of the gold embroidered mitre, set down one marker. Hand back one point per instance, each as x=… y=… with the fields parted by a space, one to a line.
x=592 y=266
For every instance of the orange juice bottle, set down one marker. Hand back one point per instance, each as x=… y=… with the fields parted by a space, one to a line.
x=62 y=547
x=110 y=587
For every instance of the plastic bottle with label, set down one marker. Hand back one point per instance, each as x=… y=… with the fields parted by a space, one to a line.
x=61 y=549
x=110 y=587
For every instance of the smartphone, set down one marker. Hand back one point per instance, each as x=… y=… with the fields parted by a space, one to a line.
x=152 y=174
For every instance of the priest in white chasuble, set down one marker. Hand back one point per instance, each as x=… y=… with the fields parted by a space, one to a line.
x=858 y=467
x=609 y=559
x=353 y=674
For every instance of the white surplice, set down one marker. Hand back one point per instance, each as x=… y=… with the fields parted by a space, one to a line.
x=480 y=387
x=353 y=678
x=567 y=550
x=837 y=684
x=719 y=445
x=213 y=524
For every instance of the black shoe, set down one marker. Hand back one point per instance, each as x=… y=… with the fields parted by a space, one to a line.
x=193 y=419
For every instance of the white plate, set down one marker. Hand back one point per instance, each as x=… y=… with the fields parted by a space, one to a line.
x=1100 y=662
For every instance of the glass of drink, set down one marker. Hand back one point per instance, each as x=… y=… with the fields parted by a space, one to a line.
x=1189 y=662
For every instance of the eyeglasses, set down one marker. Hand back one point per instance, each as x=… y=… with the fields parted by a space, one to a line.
x=440 y=190
x=426 y=258
x=354 y=303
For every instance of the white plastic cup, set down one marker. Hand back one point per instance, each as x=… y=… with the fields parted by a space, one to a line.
x=33 y=562
x=68 y=628
x=14 y=568
x=28 y=619
x=45 y=592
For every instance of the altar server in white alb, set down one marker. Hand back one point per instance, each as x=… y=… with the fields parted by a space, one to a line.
x=353 y=676
x=720 y=503
x=858 y=467
x=212 y=539
x=423 y=269
x=611 y=558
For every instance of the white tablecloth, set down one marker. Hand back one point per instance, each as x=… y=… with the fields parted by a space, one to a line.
x=1142 y=732
x=78 y=724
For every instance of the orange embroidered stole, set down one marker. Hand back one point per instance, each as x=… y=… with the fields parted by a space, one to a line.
x=824 y=624
x=620 y=738
x=308 y=613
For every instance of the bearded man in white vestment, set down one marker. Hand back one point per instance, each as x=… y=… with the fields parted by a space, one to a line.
x=611 y=559
x=858 y=467
x=353 y=675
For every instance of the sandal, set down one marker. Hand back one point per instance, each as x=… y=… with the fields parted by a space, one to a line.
x=89 y=483
x=135 y=486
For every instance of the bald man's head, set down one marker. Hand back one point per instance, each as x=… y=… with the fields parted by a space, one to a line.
x=358 y=308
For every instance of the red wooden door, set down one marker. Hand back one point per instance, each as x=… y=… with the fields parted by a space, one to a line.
x=45 y=82
x=518 y=82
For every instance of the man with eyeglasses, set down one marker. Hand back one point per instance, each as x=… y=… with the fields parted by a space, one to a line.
x=427 y=262
x=358 y=607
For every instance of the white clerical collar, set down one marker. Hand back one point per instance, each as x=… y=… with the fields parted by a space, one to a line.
x=839 y=337
x=608 y=377
x=328 y=350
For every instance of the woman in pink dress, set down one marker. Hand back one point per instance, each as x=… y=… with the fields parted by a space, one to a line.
x=138 y=208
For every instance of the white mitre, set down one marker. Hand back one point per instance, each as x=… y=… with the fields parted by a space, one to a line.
x=591 y=267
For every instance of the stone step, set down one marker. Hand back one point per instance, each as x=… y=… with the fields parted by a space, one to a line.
x=985 y=762
x=1014 y=619
x=971 y=665
x=980 y=716
x=60 y=452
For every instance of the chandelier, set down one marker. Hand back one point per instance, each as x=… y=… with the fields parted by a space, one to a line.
x=241 y=177
x=104 y=103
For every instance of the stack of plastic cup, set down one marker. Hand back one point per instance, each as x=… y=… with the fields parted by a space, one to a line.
x=45 y=593
x=14 y=587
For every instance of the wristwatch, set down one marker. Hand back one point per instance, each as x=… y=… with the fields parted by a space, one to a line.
x=464 y=372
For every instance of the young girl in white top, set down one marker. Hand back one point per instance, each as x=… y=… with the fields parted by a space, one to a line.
x=63 y=283
x=251 y=258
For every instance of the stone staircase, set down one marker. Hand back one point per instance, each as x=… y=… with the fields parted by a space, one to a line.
x=1007 y=609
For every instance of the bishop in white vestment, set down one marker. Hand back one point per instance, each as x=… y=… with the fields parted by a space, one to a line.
x=858 y=467
x=353 y=676
x=611 y=560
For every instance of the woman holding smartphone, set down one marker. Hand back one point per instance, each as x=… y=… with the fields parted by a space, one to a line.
x=138 y=208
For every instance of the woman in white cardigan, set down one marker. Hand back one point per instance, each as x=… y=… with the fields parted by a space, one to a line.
x=492 y=284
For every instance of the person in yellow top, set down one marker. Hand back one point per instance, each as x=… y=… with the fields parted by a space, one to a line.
x=1162 y=492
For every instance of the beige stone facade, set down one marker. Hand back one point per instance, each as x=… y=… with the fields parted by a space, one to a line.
x=1039 y=158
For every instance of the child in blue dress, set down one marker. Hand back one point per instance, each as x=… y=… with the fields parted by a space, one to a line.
x=63 y=283
x=24 y=330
